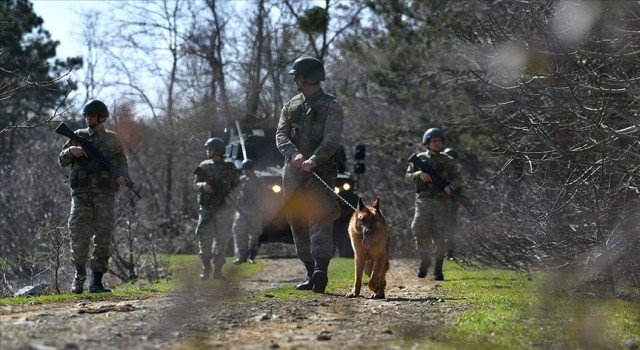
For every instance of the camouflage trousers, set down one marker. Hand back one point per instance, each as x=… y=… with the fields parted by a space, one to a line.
x=311 y=209
x=92 y=216
x=246 y=233
x=213 y=232
x=431 y=224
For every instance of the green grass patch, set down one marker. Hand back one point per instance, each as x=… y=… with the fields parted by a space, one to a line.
x=340 y=280
x=509 y=310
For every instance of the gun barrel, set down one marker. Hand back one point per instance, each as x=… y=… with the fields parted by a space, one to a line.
x=64 y=130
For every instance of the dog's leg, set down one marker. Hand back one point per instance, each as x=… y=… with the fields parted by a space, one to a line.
x=383 y=277
x=377 y=283
x=359 y=268
x=368 y=267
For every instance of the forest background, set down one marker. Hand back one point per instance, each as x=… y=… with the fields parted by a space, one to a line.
x=540 y=98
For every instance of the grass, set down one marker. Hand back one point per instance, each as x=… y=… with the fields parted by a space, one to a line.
x=508 y=310
x=500 y=309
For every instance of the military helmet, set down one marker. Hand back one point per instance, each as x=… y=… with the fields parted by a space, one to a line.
x=311 y=68
x=433 y=132
x=451 y=152
x=247 y=164
x=216 y=144
x=96 y=107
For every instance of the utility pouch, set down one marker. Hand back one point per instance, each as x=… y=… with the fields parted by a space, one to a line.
x=78 y=178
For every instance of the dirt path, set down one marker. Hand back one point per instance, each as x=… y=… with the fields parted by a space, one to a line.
x=204 y=319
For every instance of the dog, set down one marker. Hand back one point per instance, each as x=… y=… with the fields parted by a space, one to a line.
x=371 y=247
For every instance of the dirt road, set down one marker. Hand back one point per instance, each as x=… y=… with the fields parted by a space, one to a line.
x=206 y=319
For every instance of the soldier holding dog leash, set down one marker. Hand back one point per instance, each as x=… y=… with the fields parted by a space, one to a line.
x=308 y=136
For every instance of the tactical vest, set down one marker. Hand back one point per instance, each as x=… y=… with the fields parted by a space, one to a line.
x=87 y=176
x=307 y=121
x=439 y=164
x=225 y=176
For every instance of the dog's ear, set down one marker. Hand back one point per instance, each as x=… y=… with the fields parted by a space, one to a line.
x=376 y=203
x=360 y=205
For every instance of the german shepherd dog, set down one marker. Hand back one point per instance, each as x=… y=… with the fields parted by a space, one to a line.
x=371 y=246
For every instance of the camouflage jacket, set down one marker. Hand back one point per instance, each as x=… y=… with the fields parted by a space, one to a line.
x=225 y=178
x=99 y=179
x=311 y=126
x=442 y=163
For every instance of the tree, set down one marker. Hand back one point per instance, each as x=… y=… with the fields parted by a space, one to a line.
x=558 y=85
x=205 y=41
x=31 y=86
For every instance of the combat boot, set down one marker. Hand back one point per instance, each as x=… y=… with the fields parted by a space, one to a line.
x=437 y=271
x=77 y=286
x=96 y=283
x=217 y=272
x=241 y=259
x=206 y=269
x=450 y=256
x=252 y=256
x=425 y=261
x=319 y=277
x=307 y=284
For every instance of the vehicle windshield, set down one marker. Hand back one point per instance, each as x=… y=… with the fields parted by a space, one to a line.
x=263 y=152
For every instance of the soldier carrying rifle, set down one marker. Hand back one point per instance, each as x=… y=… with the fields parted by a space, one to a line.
x=98 y=169
x=436 y=178
x=214 y=179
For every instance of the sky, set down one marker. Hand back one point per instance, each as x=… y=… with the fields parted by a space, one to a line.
x=62 y=19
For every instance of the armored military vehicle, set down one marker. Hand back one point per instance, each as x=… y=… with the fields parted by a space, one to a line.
x=260 y=146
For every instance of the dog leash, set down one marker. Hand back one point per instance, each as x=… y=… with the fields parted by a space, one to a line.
x=333 y=191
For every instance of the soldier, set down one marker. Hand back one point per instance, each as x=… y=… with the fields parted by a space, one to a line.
x=308 y=136
x=214 y=180
x=93 y=191
x=431 y=224
x=453 y=222
x=247 y=225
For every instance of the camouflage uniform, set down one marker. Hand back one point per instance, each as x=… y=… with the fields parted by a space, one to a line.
x=312 y=127
x=431 y=222
x=247 y=225
x=92 y=198
x=216 y=217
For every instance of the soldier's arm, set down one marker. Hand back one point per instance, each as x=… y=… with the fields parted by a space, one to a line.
x=65 y=158
x=283 y=135
x=332 y=134
x=122 y=163
x=455 y=179
x=198 y=183
x=412 y=176
x=235 y=178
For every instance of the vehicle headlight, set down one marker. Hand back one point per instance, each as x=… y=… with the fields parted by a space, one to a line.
x=276 y=188
x=344 y=187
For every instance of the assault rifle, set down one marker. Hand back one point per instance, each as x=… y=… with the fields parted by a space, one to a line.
x=438 y=182
x=219 y=188
x=95 y=157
